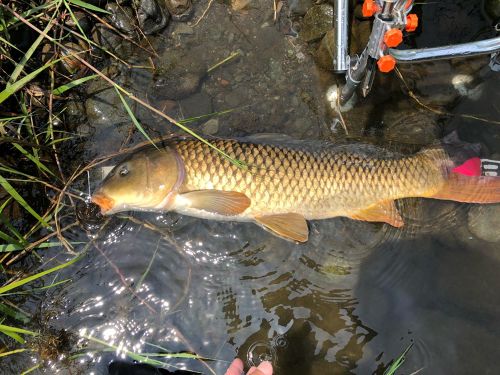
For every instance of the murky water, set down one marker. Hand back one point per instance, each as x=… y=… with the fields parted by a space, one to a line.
x=351 y=299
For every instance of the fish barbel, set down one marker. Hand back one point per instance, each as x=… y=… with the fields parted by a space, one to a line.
x=280 y=186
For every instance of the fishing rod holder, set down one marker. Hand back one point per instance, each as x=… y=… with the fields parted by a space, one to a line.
x=390 y=19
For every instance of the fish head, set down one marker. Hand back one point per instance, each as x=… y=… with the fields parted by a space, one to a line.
x=147 y=180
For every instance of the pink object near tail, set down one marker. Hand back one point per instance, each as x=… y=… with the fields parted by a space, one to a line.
x=471 y=167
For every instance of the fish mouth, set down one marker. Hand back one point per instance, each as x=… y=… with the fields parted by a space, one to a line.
x=104 y=202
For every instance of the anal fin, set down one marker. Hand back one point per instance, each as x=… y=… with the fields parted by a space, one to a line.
x=384 y=211
x=290 y=226
x=228 y=203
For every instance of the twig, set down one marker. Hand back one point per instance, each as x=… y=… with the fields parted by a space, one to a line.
x=230 y=57
x=437 y=111
x=124 y=281
x=204 y=13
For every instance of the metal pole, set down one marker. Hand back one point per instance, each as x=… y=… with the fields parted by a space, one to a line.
x=480 y=47
x=340 y=35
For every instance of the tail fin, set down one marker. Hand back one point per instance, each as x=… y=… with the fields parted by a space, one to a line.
x=470 y=189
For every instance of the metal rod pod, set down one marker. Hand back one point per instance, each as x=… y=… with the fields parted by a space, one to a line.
x=481 y=47
x=340 y=35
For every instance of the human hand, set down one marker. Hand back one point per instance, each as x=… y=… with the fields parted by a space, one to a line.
x=236 y=368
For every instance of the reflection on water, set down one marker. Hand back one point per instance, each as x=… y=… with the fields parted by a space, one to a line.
x=348 y=301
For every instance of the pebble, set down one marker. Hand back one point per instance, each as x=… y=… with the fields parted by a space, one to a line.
x=484 y=222
x=210 y=127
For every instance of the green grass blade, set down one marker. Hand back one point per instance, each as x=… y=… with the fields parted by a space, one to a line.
x=88 y=6
x=17 y=315
x=133 y=118
x=10 y=189
x=14 y=171
x=62 y=89
x=35 y=160
x=230 y=57
x=5 y=41
x=31 y=369
x=5 y=328
x=398 y=362
x=15 y=247
x=14 y=336
x=11 y=241
x=20 y=239
x=37 y=289
x=213 y=114
x=8 y=91
x=13 y=21
x=20 y=66
x=5 y=354
x=28 y=279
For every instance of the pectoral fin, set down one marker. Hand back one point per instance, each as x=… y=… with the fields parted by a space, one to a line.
x=385 y=211
x=289 y=226
x=229 y=203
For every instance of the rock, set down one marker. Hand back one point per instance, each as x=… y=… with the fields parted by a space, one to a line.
x=210 y=127
x=484 y=222
x=324 y=53
x=83 y=21
x=275 y=70
x=299 y=7
x=152 y=18
x=176 y=77
x=69 y=62
x=75 y=112
x=85 y=130
x=103 y=106
x=181 y=10
x=198 y=104
x=121 y=17
x=106 y=37
x=411 y=127
x=317 y=21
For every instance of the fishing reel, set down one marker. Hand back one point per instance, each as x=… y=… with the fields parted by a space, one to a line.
x=391 y=18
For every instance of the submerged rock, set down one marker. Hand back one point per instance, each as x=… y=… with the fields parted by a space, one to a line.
x=121 y=17
x=181 y=10
x=317 y=21
x=324 y=53
x=210 y=127
x=177 y=77
x=151 y=16
x=411 y=127
x=300 y=7
x=484 y=222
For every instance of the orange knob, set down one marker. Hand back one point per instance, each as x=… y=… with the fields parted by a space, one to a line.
x=411 y=22
x=393 y=37
x=369 y=8
x=386 y=63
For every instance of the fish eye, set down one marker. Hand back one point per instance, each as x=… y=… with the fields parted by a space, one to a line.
x=123 y=171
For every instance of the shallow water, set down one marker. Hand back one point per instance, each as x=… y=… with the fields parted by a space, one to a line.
x=347 y=302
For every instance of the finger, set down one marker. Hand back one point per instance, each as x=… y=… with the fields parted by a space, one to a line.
x=265 y=368
x=236 y=367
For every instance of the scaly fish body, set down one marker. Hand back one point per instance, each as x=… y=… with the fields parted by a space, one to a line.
x=283 y=185
x=318 y=184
